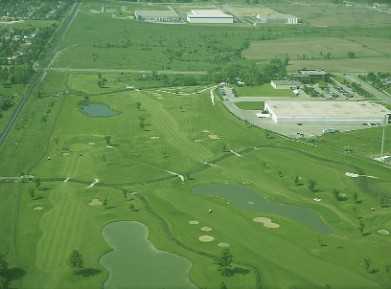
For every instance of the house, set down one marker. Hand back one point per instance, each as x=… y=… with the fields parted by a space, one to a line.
x=209 y=16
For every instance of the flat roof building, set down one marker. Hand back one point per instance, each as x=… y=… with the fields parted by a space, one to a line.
x=157 y=16
x=337 y=112
x=209 y=16
x=284 y=84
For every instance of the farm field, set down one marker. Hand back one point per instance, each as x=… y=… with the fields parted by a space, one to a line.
x=118 y=175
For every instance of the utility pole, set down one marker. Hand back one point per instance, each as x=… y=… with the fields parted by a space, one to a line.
x=386 y=119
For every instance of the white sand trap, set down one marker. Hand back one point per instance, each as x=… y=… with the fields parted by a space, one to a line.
x=109 y=147
x=251 y=203
x=271 y=225
x=213 y=136
x=198 y=140
x=194 y=222
x=352 y=175
x=206 y=229
x=95 y=203
x=205 y=131
x=91 y=143
x=223 y=245
x=262 y=220
x=155 y=137
x=38 y=208
x=383 y=232
x=235 y=153
x=267 y=222
x=206 y=238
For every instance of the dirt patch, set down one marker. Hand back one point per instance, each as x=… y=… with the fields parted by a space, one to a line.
x=206 y=238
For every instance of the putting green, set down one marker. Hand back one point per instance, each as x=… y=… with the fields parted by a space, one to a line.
x=136 y=263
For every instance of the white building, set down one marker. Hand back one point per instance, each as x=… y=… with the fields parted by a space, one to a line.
x=333 y=112
x=285 y=84
x=157 y=16
x=277 y=19
x=210 y=16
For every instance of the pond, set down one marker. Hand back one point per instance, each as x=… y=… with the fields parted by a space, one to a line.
x=98 y=110
x=135 y=263
x=243 y=197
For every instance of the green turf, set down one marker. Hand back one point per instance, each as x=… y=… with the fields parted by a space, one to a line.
x=262 y=90
x=253 y=105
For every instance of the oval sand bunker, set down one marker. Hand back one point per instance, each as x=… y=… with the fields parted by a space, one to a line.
x=262 y=220
x=193 y=222
x=223 y=245
x=206 y=229
x=206 y=238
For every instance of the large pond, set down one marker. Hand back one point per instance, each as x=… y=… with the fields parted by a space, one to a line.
x=135 y=263
x=243 y=197
x=98 y=110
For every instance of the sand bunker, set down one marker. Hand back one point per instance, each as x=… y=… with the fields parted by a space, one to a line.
x=95 y=203
x=206 y=238
x=206 y=229
x=38 y=208
x=155 y=137
x=223 y=245
x=267 y=222
x=194 y=222
x=383 y=232
x=213 y=136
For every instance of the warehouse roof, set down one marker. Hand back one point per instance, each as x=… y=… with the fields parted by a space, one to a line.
x=206 y=13
x=156 y=13
x=327 y=109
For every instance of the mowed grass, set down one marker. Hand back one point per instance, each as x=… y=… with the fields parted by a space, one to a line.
x=262 y=90
x=253 y=105
x=180 y=135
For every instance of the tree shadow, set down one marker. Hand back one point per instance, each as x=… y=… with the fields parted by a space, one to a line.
x=15 y=273
x=87 y=272
x=239 y=270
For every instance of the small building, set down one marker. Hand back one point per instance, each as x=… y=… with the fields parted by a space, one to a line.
x=209 y=16
x=326 y=112
x=157 y=16
x=277 y=19
x=285 y=84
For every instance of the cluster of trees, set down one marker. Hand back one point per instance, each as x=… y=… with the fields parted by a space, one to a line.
x=380 y=80
x=8 y=274
x=34 y=9
x=6 y=102
x=249 y=72
x=19 y=50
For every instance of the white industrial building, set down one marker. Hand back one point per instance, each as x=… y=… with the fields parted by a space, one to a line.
x=285 y=84
x=333 y=112
x=157 y=16
x=277 y=19
x=209 y=16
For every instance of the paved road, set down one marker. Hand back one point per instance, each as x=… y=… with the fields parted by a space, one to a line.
x=39 y=76
x=113 y=70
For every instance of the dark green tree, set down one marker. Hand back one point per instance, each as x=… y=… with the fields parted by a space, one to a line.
x=76 y=260
x=224 y=262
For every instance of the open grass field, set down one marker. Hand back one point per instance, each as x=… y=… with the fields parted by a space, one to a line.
x=308 y=214
x=262 y=90
x=254 y=105
x=179 y=134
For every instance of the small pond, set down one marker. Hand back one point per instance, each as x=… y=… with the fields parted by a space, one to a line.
x=135 y=263
x=98 y=110
x=243 y=197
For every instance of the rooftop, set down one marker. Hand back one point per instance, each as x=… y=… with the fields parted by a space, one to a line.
x=208 y=13
x=327 y=109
